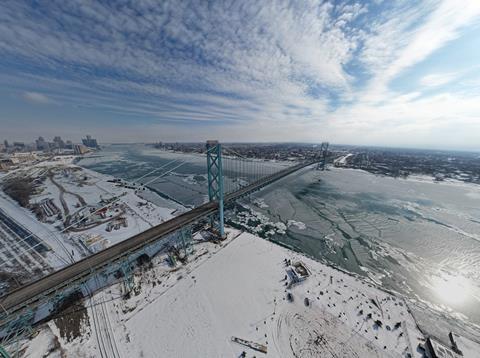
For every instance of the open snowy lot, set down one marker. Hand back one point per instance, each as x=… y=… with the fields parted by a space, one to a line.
x=72 y=213
x=241 y=289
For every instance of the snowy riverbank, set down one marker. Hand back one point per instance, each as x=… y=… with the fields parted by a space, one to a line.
x=240 y=288
x=73 y=212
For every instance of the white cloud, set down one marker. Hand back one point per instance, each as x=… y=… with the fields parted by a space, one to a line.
x=399 y=42
x=35 y=97
x=275 y=70
x=437 y=79
x=270 y=62
x=442 y=25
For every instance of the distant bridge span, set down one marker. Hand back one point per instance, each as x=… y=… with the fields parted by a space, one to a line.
x=33 y=294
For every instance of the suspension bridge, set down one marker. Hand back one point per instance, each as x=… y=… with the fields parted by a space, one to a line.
x=230 y=177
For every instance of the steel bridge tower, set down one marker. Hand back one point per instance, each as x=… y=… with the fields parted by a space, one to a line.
x=215 y=179
x=323 y=156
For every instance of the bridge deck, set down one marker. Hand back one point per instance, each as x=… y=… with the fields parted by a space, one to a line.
x=33 y=292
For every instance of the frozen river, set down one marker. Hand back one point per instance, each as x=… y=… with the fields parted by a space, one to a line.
x=415 y=237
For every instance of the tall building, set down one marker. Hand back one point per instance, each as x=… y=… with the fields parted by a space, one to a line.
x=90 y=142
x=42 y=144
x=59 y=143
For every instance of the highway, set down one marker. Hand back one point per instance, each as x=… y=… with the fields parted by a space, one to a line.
x=34 y=292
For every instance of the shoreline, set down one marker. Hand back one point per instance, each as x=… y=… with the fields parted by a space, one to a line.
x=141 y=212
x=418 y=178
x=239 y=304
x=293 y=248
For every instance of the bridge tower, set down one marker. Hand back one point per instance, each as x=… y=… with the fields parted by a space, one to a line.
x=323 y=153
x=215 y=179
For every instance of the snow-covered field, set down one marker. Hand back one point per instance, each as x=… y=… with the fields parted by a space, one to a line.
x=237 y=289
x=72 y=230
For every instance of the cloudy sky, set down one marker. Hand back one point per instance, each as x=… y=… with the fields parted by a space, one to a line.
x=396 y=73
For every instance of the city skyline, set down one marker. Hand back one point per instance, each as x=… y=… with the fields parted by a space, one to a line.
x=401 y=74
x=30 y=144
x=41 y=143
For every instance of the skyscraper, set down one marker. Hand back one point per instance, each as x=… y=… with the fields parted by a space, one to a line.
x=42 y=144
x=90 y=142
x=59 y=143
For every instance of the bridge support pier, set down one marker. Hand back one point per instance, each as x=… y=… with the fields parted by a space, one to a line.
x=186 y=238
x=128 y=280
x=215 y=179
x=3 y=353
x=17 y=327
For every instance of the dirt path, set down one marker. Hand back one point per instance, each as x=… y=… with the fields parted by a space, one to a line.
x=62 y=197
x=98 y=223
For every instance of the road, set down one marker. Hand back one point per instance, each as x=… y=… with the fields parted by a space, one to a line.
x=63 y=191
x=34 y=292
x=22 y=233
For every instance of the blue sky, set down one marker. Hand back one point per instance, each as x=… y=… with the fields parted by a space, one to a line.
x=395 y=73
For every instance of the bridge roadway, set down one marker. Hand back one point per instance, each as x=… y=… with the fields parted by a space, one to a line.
x=33 y=293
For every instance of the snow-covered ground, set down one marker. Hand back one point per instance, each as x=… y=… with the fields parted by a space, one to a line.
x=237 y=288
x=84 y=191
x=342 y=160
